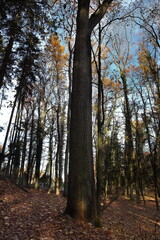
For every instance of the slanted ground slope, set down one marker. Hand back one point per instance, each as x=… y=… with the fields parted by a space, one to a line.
x=36 y=215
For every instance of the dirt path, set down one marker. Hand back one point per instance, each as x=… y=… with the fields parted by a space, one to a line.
x=37 y=215
x=130 y=221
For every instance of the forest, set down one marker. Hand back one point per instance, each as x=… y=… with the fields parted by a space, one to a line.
x=80 y=109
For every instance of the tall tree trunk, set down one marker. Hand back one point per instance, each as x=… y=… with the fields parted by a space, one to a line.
x=153 y=157
x=8 y=130
x=138 y=159
x=12 y=136
x=40 y=138
x=50 y=155
x=61 y=149
x=24 y=150
x=128 y=138
x=81 y=201
x=68 y=123
x=17 y=145
x=29 y=165
x=100 y=120
x=57 y=164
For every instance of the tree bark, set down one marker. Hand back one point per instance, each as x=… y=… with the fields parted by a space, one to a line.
x=128 y=138
x=29 y=165
x=65 y=193
x=81 y=201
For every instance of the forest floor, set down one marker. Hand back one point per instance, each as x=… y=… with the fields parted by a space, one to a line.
x=36 y=215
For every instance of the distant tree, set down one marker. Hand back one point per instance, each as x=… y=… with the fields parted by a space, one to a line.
x=146 y=17
x=68 y=24
x=16 y=17
x=58 y=58
x=149 y=70
x=21 y=35
x=120 y=52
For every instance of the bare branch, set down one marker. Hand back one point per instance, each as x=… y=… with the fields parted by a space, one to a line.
x=98 y=15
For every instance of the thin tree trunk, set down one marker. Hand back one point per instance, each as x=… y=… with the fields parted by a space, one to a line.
x=128 y=139
x=29 y=165
x=57 y=163
x=68 y=125
x=8 y=130
x=152 y=152
x=24 y=151
x=40 y=138
x=100 y=120
x=50 y=155
x=17 y=145
x=61 y=150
